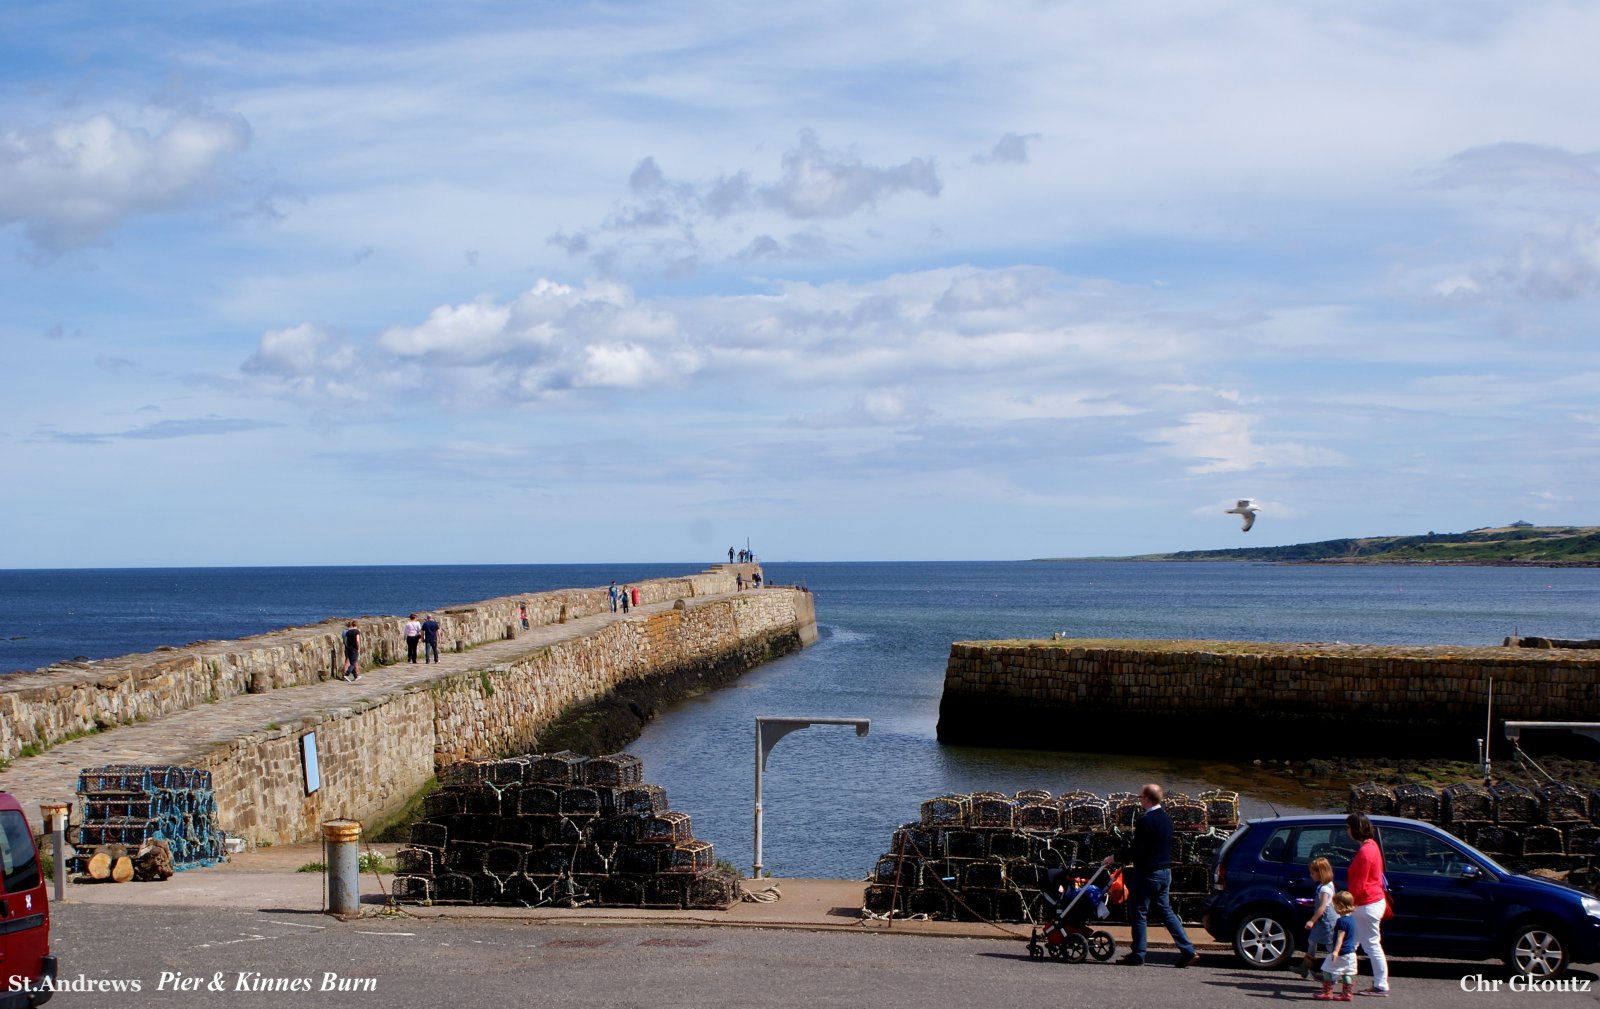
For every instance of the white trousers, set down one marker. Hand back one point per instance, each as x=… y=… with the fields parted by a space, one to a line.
x=1369 y=919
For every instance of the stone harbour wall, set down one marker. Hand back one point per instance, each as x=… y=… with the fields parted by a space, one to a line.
x=70 y=699
x=1216 y=698
x=374 y=755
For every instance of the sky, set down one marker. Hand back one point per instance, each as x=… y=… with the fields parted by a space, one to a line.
x=380 y=283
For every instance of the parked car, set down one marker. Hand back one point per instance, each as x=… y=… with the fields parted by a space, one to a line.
x=25 y=960
x=1451 y=901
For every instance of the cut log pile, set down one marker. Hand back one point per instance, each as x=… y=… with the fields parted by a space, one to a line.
x=145 y=822
x=558 y=830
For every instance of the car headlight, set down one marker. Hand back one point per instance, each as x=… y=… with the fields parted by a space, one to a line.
x=1591 y=907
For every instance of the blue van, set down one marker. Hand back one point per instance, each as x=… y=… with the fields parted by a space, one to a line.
x=1451 y=901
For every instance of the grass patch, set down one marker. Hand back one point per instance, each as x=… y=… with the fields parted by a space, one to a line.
x=488 y=684
x=313 y=867
x=397 y=826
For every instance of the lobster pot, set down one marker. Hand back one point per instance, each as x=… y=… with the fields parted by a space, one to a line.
x=487 y=888
x=414 y=861
x=984 y=875
x=613 y=770
x=1009 y=905
x=962 y=844
x=471 y=828
x=465 y=773
x=882 y=900
x=1418 y=802
x=1543 y=839
x=525 y=830
x=1084 y=813
x=1562 y=803
x=445 y=802
x=504 y=860
x=636 y=800
x=1078 y=795
x=1008 y=845
x=563 y=768
x=1582 y=840
x=1025 y=875
x=1097 y=847
x=617 y=829
x=912 y=839
x=1190 y=908
x=411 y=889
x=992 y=811
x=1466 y=801
x=430 y=835
x=665 y=891
x=931 y=901
x=509 y=771
x=1187 y=814
x=666 y=828
x=1204 y=848
x=621 y=891
x=717 y=890
x=483 y=800
x=1513 y=804
x=1041 y=815
x=1122 y=810
x=1028 y=795
x=946 y=811
x=693 y=857
x=538 y=800
x=580 y=801
x=1372 y=798
x=466 y=856
x=1054 y=851
x=453 y=888
x=636 y=860
x=1190 y=879
x=975 y=905
x=906 y=872
x=123 y=805
x=1497 y=840
x=1222 y=808
x=551 y=860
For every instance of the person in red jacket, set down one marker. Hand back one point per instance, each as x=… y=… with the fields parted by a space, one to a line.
x=1365 y=883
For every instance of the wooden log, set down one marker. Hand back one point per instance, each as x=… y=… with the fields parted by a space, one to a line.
x=104 y=859
x=122 y=869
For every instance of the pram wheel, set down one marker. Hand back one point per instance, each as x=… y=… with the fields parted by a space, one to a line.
x=1035 y=951
x=1102 y=946
x=1073 y=948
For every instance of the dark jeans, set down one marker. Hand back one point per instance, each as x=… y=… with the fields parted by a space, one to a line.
x=411 y=648
x=350 y=659
x=430 y=650
x=1144 y=889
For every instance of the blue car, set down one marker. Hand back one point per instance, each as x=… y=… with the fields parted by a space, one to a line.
x=1451 y=901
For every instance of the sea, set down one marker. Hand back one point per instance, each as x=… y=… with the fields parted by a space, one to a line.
x=831 y=798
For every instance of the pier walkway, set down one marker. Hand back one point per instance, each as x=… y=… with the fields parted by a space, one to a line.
x=179 y=737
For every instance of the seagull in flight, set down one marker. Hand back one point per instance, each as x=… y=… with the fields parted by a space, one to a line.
x=1247 y=508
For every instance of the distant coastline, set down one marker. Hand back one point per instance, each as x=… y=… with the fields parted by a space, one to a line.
x=1501 y=546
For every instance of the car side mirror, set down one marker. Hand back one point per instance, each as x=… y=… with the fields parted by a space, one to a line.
x=1470 y=871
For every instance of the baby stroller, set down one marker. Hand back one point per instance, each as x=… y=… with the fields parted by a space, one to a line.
x=1072 y=903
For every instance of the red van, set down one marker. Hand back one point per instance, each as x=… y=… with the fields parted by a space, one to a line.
x=25 y=960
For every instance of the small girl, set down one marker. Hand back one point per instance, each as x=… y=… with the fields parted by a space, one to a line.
x=1321 y=923
x=1340 y=964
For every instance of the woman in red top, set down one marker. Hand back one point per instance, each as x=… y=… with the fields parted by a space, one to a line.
x=1365 y=883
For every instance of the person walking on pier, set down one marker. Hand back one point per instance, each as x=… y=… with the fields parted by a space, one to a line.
x=522 y=614
x=352 y=650
x=1149 y=874
x=430 y=640
x=633 y=590
x=1365 y=883
x=613 y=597
x=624 y=600
x=413 y=632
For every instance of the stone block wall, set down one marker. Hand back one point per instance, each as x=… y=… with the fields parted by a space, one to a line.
x=1249 y=699
x=375 y=754
x=71 y=698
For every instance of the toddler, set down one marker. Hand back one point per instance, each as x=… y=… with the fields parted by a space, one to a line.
x=1340 y=964
x=1321 y=923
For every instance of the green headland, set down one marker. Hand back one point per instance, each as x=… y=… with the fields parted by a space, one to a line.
x=1536 y=546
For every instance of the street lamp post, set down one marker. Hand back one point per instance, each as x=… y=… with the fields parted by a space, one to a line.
x=770 y=729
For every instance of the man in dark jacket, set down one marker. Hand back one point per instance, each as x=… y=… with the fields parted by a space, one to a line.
x=1148 y=871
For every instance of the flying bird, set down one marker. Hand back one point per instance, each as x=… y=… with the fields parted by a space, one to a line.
x=1246 y=508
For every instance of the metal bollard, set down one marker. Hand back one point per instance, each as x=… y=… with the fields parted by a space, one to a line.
x=55 y=821
x=341 y=846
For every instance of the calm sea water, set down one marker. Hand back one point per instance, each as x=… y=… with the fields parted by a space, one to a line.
x=832 y=799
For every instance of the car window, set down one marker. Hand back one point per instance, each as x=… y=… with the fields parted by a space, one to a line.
x=1406 y=850
x=19 y=870
x=1277 y=847
x=1332 y=843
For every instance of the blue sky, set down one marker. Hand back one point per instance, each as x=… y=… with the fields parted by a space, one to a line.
x=372 y=283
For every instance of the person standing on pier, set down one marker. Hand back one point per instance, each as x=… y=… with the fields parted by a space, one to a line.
x=624 y=600
x=413 y=632
x=352 y=650
x=633 y=590
x=730 y=555
x=613 y=597
x=522 y=614
x=1149 y=874
x=430 y=640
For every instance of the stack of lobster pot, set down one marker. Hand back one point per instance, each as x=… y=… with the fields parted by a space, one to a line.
x=983 y=856
x=1551 y=828
x=557 y=829
x=129 y=804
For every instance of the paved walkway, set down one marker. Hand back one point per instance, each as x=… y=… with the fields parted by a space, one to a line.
x=265 y=880
x=179 y=737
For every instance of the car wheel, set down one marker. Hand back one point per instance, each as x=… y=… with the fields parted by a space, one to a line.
x=1263 y=940
x=1536 y=951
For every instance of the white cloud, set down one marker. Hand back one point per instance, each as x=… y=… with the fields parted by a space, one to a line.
x=71 y=183
x=1222 y=441
x=1011 y=149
